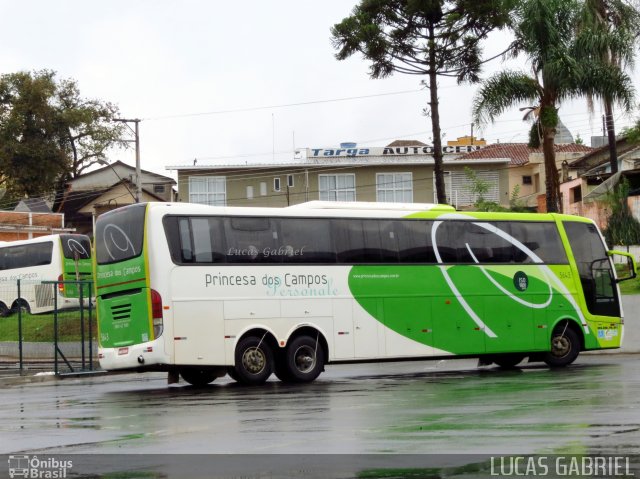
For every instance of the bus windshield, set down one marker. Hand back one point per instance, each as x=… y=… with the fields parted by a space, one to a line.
x=596 y=274
x=120 y=234
x=76 y=246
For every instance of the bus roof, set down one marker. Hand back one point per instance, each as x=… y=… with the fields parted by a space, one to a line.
x=37 y=239
x=355 y=210
x=370 y=205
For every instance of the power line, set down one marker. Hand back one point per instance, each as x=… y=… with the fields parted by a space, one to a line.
x=278 y=106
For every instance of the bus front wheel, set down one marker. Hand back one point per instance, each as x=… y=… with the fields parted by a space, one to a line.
x=304 y=360
x=254 y=361
x=565 y=347
x=198 y=377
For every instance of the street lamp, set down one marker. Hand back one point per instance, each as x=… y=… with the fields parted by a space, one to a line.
x=136 y=132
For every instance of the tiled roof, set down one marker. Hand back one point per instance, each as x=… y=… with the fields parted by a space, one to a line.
x=518 y=153
x=574 y=148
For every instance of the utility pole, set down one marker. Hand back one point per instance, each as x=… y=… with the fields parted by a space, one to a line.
x=136 y=133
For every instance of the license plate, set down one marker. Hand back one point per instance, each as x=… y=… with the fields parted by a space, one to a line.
x=123 y=351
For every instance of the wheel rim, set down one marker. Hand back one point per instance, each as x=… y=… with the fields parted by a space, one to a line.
x=560 y=346
x=254 y=360
x=305 y=359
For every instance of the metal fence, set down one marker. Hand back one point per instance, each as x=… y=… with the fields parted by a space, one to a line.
x=43 y=328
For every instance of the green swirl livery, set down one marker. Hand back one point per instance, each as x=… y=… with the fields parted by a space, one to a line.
x=203 y=291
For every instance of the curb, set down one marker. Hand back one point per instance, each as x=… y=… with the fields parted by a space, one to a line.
x=41 y=377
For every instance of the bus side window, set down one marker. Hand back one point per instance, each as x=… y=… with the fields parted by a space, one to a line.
x=388 y=241
x=542 y=239
x=207 y=240
x=351 y=238
x=251 y=240
x=305 y=240
x=186 y=250
x=414 y=241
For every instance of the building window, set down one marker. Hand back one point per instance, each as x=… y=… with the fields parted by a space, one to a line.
x=249 y=192
x=158 y=189
x=394 y=187
x=290 y=181
x=263 y=188
x=526 y=180
x=337 y=187
x=208 y=190
x=276 y=184
x=575 y=194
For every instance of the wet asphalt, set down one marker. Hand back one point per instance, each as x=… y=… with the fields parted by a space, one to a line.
x=444 y=407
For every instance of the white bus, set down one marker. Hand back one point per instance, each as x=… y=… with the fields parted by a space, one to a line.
x=204 y=291
x=60 y=258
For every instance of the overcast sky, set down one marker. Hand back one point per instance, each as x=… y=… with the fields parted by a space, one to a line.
x=239 y=81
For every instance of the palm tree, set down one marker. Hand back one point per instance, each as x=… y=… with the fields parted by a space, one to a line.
x=545 y=33
x=608 y=31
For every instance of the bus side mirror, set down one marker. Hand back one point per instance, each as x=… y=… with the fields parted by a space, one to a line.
x=625 y=266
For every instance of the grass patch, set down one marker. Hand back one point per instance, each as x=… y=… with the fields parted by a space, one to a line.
x=40 y=327
x=631 y=286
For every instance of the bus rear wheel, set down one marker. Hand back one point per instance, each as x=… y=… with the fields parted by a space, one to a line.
x=254 y=361
x=21 y=305
x=198 y=377
x=304 y=360
x=4 y=311
x=565 y=347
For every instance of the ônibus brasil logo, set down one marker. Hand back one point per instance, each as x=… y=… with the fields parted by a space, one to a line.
x=34 y=467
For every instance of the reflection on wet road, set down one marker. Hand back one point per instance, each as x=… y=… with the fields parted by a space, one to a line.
x=415 y=407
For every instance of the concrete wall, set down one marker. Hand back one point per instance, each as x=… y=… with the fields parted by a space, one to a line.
x=237 y=182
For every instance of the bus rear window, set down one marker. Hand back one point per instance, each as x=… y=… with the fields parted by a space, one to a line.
x=120 y=234
x=75 y=246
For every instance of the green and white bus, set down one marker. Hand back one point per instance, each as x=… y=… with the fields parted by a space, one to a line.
x=37 y=263
x=204 y=291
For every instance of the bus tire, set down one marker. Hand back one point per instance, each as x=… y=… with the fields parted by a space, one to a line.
x=508 y=361
x=254 y=361
x=198 y=377
x=304 y=360
x=280 y=368
x=565 y=347
x=4 y=311
x=21 y=305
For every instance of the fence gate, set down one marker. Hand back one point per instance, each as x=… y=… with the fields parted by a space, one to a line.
x=64 y=311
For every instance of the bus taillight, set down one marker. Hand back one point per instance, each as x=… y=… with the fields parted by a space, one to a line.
x=61 y=284
x=156 y=313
